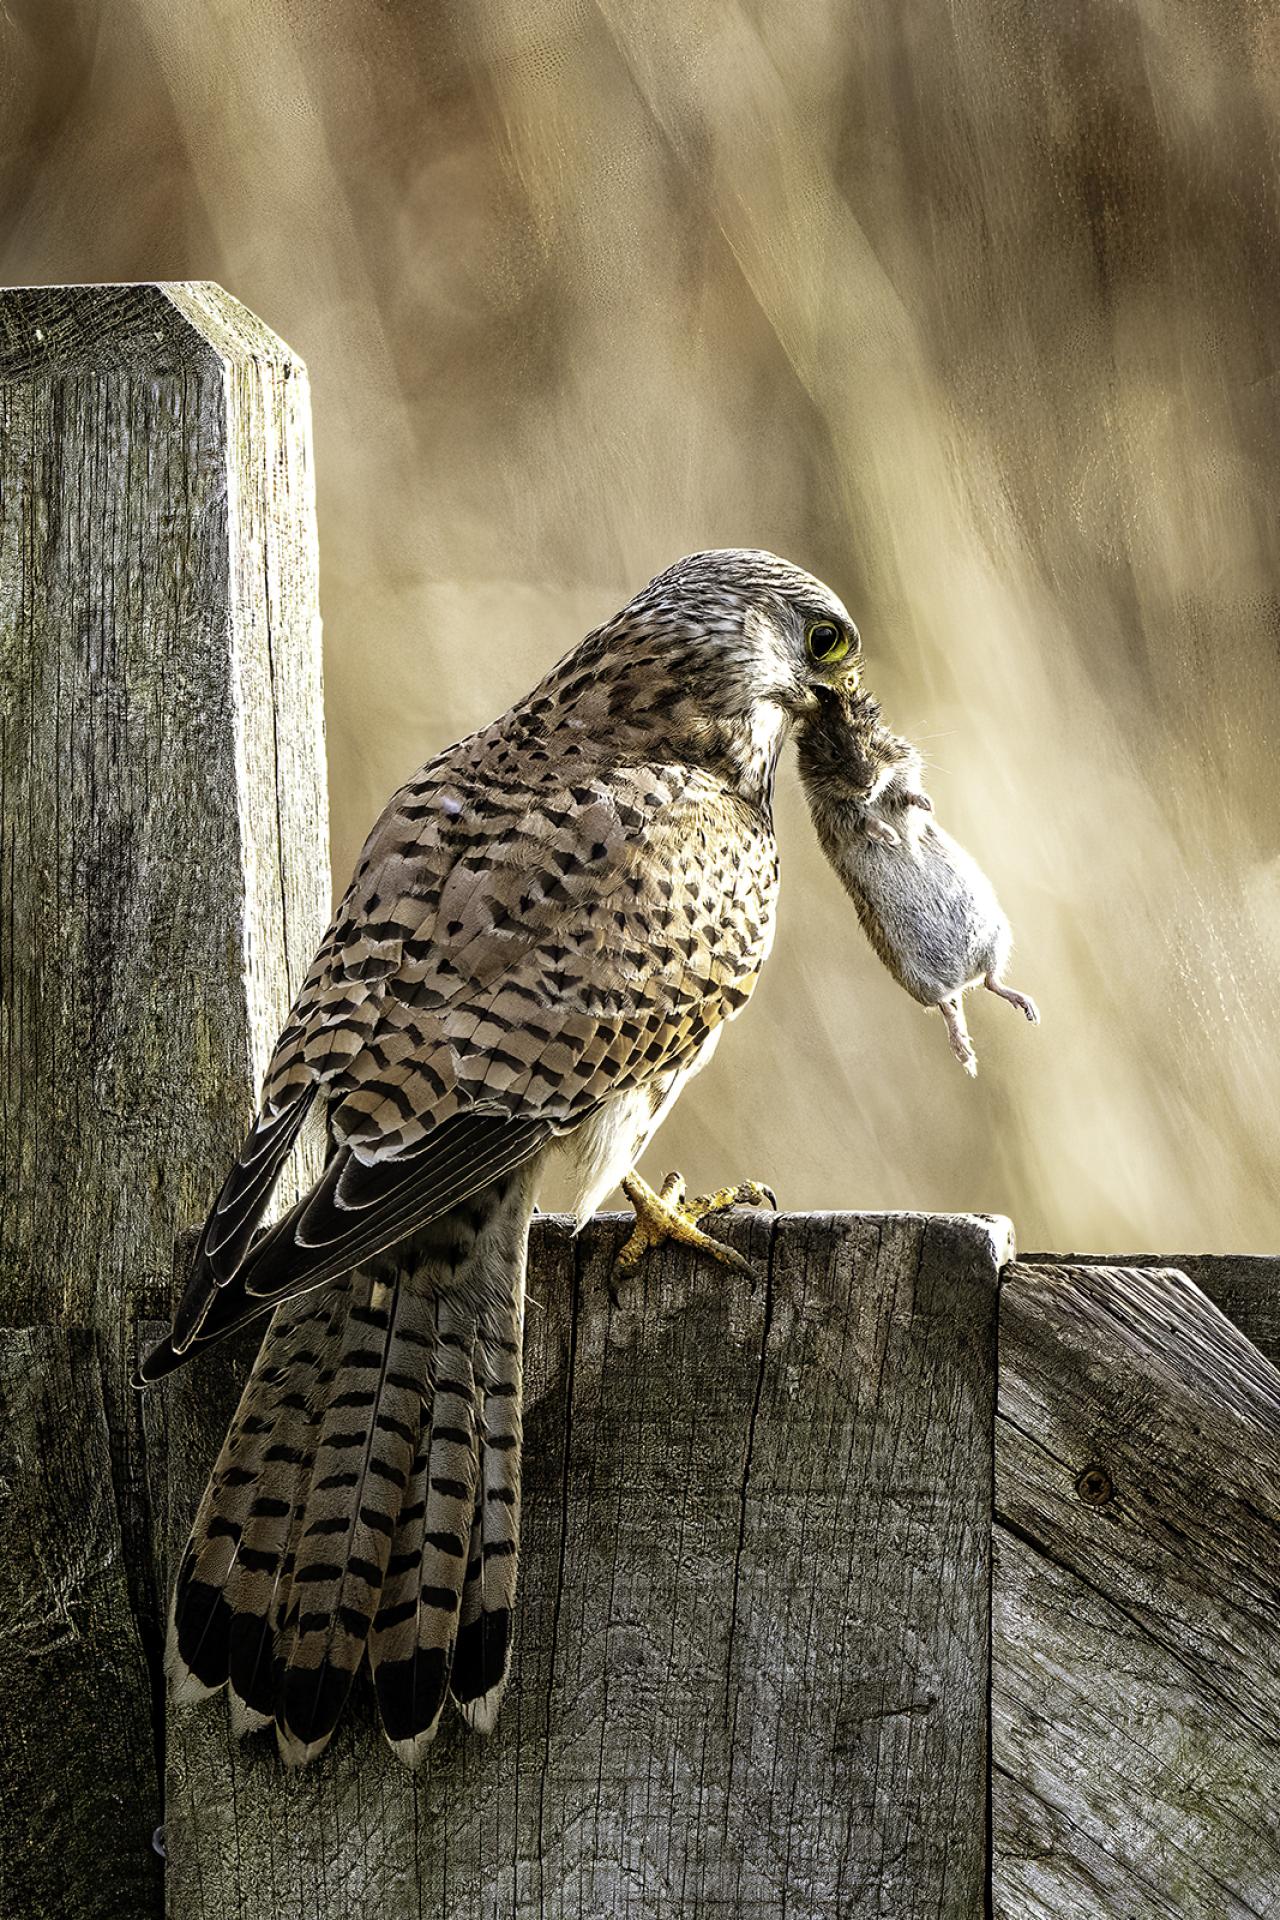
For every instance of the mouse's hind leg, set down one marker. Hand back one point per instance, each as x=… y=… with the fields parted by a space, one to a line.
x=952 y=1011
x=1022 y=1001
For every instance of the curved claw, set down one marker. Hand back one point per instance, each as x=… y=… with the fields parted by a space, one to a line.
x=747 y=1193
x=668 y=1215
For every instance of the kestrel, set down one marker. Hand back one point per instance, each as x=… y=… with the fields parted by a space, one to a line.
x=546 y=932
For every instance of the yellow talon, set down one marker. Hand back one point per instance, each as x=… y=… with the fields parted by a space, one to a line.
x=669 y=1216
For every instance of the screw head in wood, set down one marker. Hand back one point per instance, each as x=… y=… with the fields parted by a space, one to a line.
x=1094 y=1486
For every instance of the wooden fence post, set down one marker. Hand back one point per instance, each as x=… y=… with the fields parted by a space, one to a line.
x=163 y=880
x=1136 y=1661
x=753 y=1653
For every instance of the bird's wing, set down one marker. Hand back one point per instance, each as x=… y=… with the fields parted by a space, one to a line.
x=516 y=946
x=356 y=1211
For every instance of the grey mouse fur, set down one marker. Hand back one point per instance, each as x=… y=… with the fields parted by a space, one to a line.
x=924 y=903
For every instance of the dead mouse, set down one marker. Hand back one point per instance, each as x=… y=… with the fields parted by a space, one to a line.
x=925 y=905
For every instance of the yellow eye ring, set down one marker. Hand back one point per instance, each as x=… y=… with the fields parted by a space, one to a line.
x=825 y=642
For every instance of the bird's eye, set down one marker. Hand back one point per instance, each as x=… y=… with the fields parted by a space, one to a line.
x=826 y=642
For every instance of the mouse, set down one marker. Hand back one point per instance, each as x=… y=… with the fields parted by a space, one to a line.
x=924 y=903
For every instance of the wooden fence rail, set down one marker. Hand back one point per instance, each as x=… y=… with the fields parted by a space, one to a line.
x=810 y=1625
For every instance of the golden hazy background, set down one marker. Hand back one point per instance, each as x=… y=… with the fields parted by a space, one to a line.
x=972 y=310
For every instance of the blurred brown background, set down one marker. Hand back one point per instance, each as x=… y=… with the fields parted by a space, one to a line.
x=971 y=309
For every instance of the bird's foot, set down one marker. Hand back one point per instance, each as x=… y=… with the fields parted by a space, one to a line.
x=669 y=1216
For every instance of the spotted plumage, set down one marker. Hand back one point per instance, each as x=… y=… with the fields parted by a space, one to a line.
x=547 y=930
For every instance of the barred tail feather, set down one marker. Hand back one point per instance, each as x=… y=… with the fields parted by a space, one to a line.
x=264 y=1571
x=362 y=1455
x=411 y=1647
x=483 y=1655
x=223 y=1597
x=366 y=1500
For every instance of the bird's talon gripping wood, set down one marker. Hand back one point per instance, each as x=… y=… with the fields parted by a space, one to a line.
x=747 y=1193
x=668 y=1215
x=547 y=930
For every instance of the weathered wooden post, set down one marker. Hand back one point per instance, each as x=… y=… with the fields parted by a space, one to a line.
x=1136 y=1660
x=754 y=1646
x=163 y=878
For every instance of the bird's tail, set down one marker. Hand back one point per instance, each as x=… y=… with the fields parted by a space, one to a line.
x=367 y=1498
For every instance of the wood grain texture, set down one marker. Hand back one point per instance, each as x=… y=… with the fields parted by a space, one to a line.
x=161 y=772
x=1136 y=1661
x=1246 y=1286
x=753 y=1642
x=163 y=834
x=75 y=1729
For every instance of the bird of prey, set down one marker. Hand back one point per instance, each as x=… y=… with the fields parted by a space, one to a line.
x=546 y=931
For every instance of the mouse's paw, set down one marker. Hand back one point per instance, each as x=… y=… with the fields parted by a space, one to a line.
x=1022 y=1001
x=952 y=1012
x=881 y=832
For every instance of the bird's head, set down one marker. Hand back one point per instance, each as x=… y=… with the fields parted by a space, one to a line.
x=752 y=625
x=713 y=660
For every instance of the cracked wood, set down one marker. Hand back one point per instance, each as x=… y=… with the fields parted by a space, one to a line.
x=819 y=1446
x=163 y=884
x=1136 y=1665
x=76 y=1738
